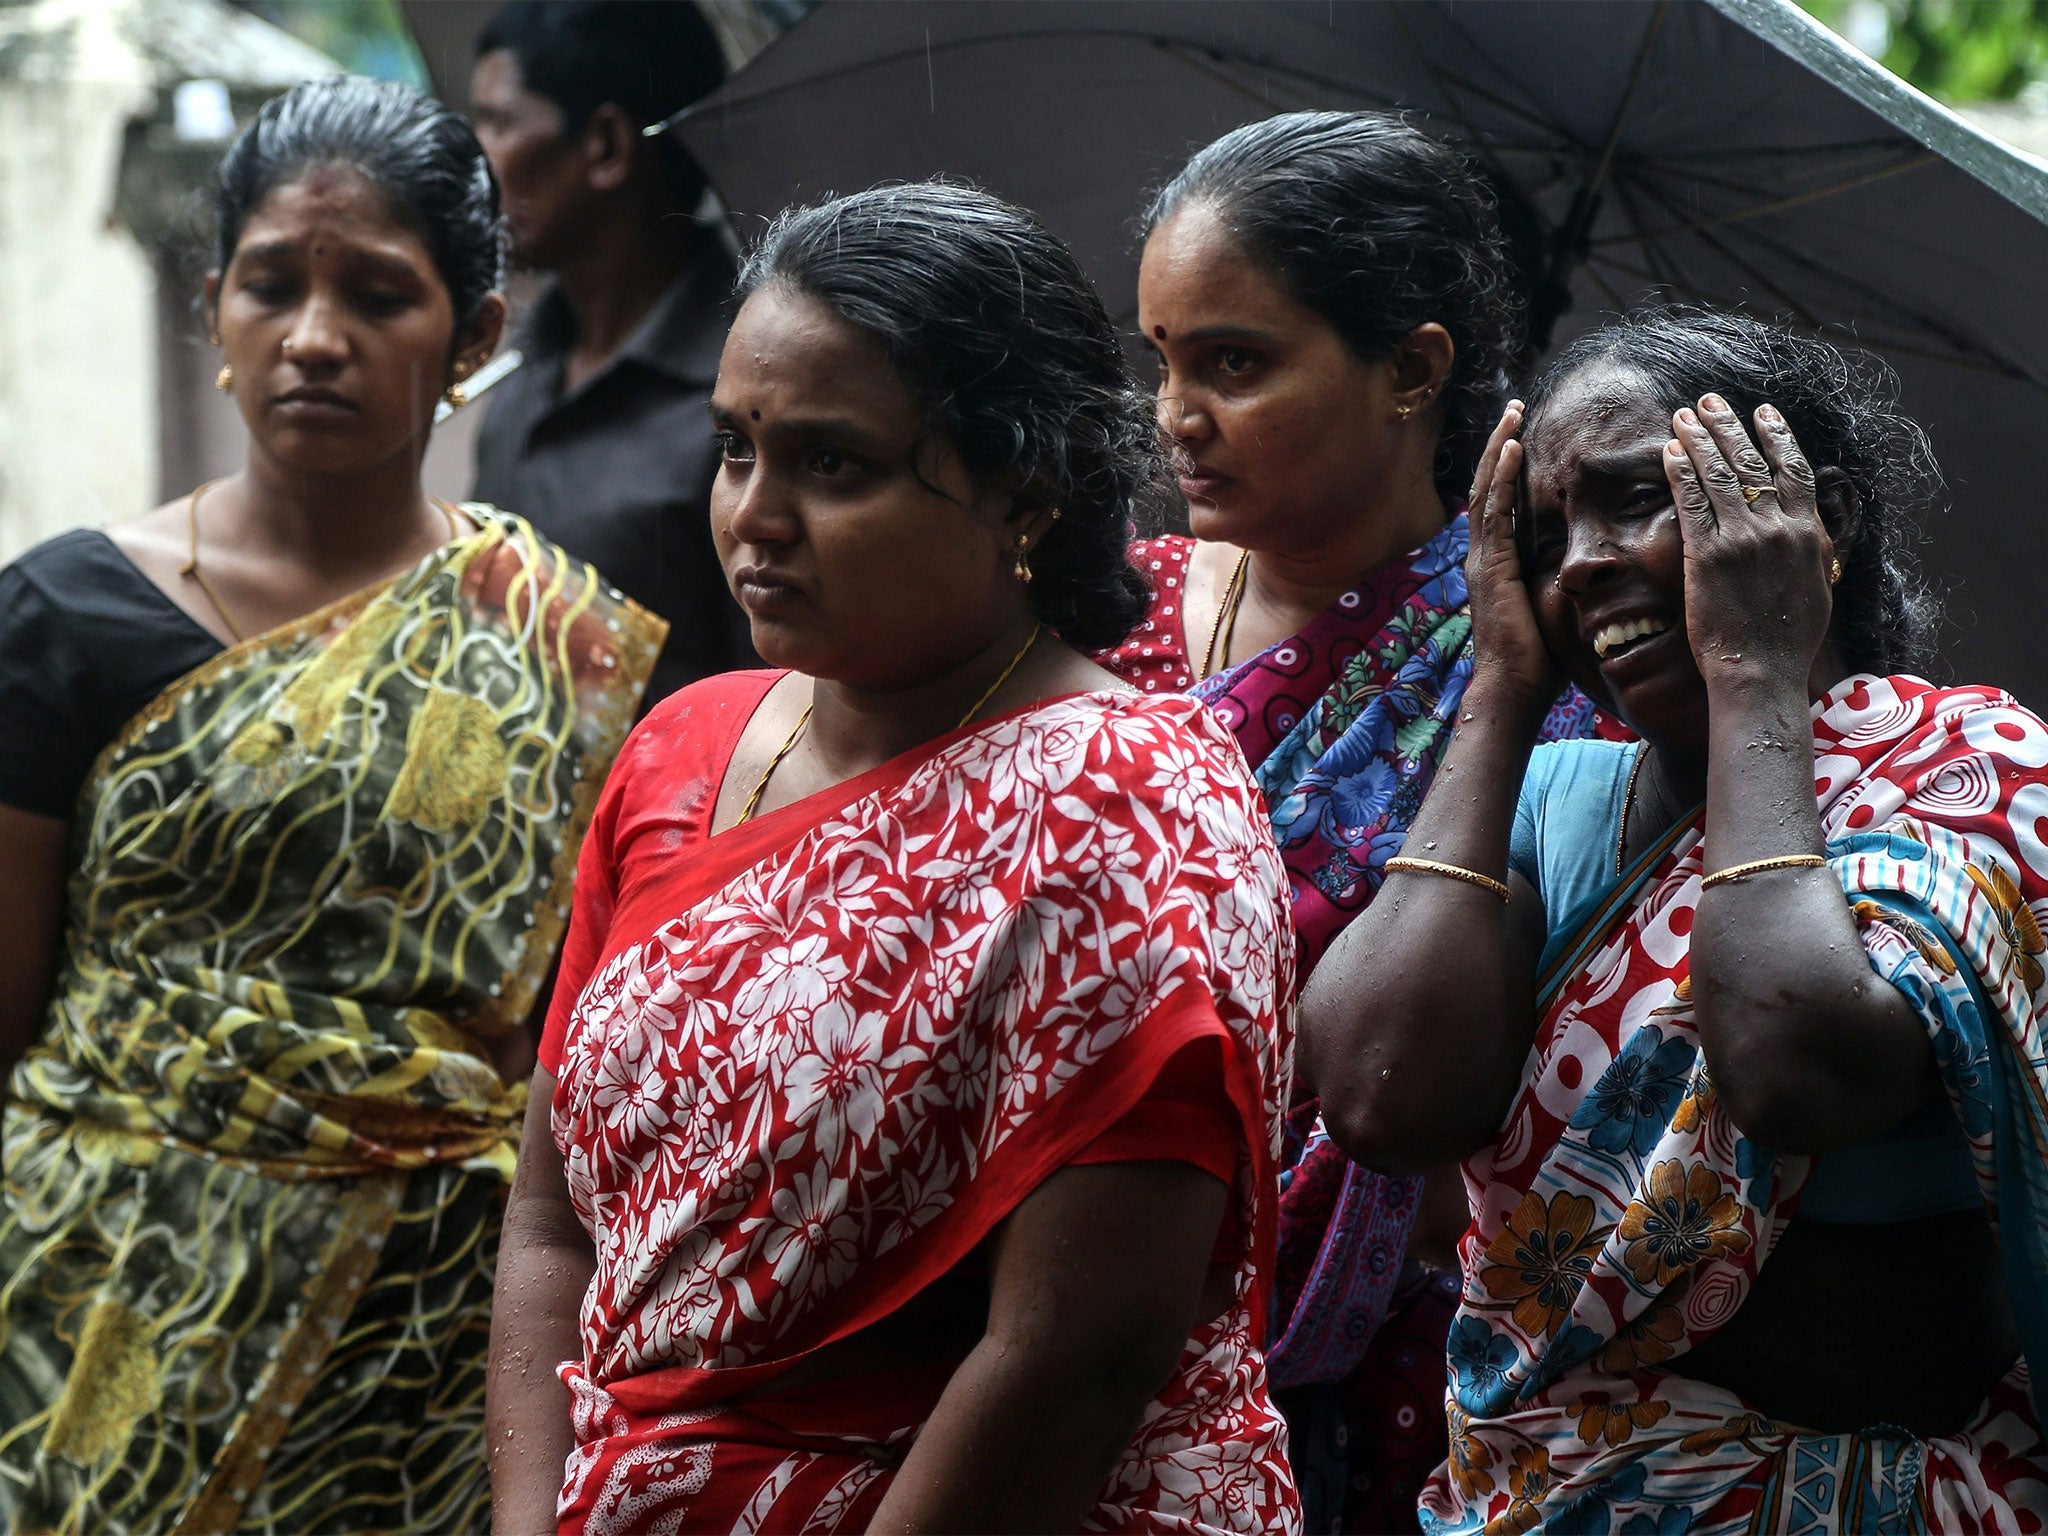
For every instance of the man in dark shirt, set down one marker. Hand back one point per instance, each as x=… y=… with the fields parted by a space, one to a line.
x=601 y=437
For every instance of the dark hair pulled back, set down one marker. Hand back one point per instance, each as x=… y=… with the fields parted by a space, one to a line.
x=1842 y=406
x=421 y=156
x=1378 y=228
x=999 y=335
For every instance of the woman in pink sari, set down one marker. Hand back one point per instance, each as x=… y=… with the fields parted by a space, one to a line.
x=902 y=1151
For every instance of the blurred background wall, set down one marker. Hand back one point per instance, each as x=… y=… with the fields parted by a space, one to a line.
x=113 y=113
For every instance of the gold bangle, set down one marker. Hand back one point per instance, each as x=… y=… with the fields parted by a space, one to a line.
x=1451 y=872
x=1759 y=866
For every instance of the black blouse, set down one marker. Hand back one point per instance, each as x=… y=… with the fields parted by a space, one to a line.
x=86 y=640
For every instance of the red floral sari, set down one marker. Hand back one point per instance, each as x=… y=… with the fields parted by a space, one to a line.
x=807 y=1065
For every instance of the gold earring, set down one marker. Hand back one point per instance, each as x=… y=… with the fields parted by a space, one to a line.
x=1404 y=410
x=1022 y=569
x=1834 y=570
x=456 y=396
x=224 y=381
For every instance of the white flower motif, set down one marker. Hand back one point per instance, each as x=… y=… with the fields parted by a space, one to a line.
x=836 y=1085
x=813 y=1241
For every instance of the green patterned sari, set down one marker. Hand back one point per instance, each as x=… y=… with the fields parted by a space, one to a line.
x=255 y=1162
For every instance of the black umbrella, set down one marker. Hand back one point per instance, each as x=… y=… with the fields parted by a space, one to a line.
x=1730 y=151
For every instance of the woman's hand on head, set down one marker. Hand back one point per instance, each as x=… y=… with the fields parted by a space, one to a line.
x=1757 y=599
x=1510 y=662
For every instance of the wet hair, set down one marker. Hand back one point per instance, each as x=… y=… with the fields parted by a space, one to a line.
x=1843 y=407
x=649 y=60
x=1000 y=337
x=1378 y=228
x=421 y=156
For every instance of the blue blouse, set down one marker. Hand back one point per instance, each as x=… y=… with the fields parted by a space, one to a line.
x=1567 y=825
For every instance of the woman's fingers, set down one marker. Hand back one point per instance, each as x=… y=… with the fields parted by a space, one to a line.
x=1711 y=471
x=1752 y=475
x=1484 y=477
x=1789 y=469
x=1695 y=508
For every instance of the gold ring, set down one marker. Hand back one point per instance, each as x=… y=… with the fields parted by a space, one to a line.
x=1751 y=492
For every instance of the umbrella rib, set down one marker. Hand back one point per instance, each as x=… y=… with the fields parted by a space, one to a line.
x=1820 y=328
x=1963 y=344
x=1781 y=204
x=1628 y=94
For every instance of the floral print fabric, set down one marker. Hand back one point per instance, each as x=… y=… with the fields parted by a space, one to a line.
x=256 y=1158
x=857 y=1037
x=1621 y=1217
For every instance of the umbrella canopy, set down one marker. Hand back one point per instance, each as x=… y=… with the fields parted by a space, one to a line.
x=1726 y=151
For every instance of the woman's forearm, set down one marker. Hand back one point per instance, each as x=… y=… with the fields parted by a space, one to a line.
x=1807 y=1047
x=533 y=1327
x=1415 y=1023
x=1019 y=1441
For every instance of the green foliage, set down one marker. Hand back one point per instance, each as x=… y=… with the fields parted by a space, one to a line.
x=1955 y=50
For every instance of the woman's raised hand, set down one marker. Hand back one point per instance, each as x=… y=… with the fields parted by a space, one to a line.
x=1757 y=602
x=1509 y=661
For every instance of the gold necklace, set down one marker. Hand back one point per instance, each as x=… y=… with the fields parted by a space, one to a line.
x=1233 y=599
x=804 y=719
x=1628 y=798
x=191 y=566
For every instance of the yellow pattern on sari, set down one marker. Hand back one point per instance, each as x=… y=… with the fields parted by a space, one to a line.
x=255 y=1161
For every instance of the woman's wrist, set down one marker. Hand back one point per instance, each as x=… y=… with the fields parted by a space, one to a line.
x=1496 y=702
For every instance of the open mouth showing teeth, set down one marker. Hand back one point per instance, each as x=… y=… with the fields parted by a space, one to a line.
x=1616 y=638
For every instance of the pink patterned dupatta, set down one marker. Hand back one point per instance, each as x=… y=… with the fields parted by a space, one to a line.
x=830 y=1050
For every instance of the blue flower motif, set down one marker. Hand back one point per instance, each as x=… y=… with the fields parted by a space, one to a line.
x=1757 y=1166
x=1666 y=1522
x=1631 y=1105
x=1480 y=1359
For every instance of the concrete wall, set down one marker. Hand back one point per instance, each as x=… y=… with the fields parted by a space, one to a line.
x=78 y=366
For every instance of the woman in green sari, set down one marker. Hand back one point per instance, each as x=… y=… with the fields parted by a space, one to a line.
x=293 y=772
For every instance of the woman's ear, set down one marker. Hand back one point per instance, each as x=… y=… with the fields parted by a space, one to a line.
x=1422 y=366
x=479 y=339
x=210 y=300
x=1033 y=510
x=1841 y=509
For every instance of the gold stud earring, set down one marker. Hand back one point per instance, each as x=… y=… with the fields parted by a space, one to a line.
x=1834 y=570
x=1403 y=410
x=1022 y=569
x=456 y=396
x=224 y=381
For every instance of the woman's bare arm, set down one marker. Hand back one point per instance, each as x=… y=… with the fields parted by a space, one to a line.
x=31 y=924
x=545 y=1263
x=1415 y=1023
x=1809 y=1050
x=1095 y=1286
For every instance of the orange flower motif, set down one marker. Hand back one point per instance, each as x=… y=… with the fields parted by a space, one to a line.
x=1528 y=1481
x=1932 y=950
x=1749 y=1428
x=2016 y=919
x=1681 y=998
x=1688 y=1218
x=1471 y=1461
x=1699 y=1098
x=1616 y=1422
x=1650 y=1338
x=1540 y=1259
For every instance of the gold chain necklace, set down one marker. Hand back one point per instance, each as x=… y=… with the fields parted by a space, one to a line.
x=1233 y=599
x=1628 y=798
x=191 y=566
x=804 y=719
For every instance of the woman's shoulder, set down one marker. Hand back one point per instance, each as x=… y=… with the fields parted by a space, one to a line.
x=1148 y=746
x=699 y=722
x=1154 y=655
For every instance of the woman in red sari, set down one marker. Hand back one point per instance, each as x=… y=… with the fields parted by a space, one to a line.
x=902 y=1151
